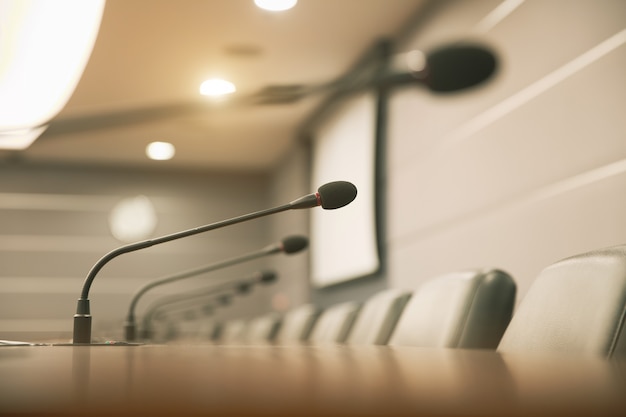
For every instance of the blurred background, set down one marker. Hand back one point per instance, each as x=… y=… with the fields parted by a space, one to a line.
x=515 y=173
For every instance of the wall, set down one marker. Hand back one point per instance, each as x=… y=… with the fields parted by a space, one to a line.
x=515 y=174
x=290 y=181
x=521 y=172
x=54 y=227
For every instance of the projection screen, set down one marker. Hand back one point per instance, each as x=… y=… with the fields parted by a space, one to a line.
x=344 y=241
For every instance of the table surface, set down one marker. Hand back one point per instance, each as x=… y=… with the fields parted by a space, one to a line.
x=303 y=380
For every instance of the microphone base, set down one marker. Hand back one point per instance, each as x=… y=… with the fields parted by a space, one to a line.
x=82 y=328
x=107 y=343
x=130 y=331
x=82 y=322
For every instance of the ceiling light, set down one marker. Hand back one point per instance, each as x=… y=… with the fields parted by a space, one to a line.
x=217 y=87
x=20 y=139
x=275 y=5
x=45 y=47
x=160 y=151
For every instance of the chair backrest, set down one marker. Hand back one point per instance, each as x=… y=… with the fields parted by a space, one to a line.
x=335 y=323
x=233 y=332
x=298 y=324
x=206 y=329
x=216 y=332
x=577 y=305
x=469 y=309
x=262 y=329
x=378 y=318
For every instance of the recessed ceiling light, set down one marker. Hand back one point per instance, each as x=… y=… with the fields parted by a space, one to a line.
x=275 y=5
x=20 y=139
x=160 y=151
x=216 y=87
x=45 y=48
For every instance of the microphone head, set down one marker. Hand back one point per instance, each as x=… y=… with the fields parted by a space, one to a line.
x=457 y=67
x=337 y=194
x=243 y=287
x=267 y=277
x=294 y=244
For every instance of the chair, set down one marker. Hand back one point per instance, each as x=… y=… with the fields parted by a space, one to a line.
x=233 y=332
x=216 y=333
x=262 y=329
x=576 y=305
x=378 y=318
x=469 y=309
x=205 y=330
x=335 y=323
x=298 y=324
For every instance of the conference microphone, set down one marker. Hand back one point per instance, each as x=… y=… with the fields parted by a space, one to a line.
x=223 y=292
x=332 y=195
x=447 y=69
x=289 y=245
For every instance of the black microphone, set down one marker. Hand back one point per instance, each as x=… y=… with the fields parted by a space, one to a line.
x=289 y=245
x=447 y=69
x=330 y=196
x=224 y=293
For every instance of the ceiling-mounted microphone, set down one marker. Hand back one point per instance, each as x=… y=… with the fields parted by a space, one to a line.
x=289 y=245
x=458 y=67
x=447 y=69
x=340 y=194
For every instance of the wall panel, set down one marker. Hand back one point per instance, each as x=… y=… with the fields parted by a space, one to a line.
x=54 y=227
x=521 y=172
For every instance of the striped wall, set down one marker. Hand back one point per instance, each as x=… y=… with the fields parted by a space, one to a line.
x=54 y=225
x=521 y=172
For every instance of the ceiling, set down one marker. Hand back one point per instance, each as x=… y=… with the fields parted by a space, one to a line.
x=142 y=81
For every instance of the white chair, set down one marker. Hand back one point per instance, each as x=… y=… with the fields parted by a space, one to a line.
x=262 y=329
x=378 y=318
x=297 y=324
x=577 y=305
x=468 y=309
x=335 y=323
x=233 y=332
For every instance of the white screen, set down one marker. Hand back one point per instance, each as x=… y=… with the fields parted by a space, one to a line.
x=343 y=241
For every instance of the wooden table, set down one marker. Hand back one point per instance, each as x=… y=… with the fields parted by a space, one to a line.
x=180 y=380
